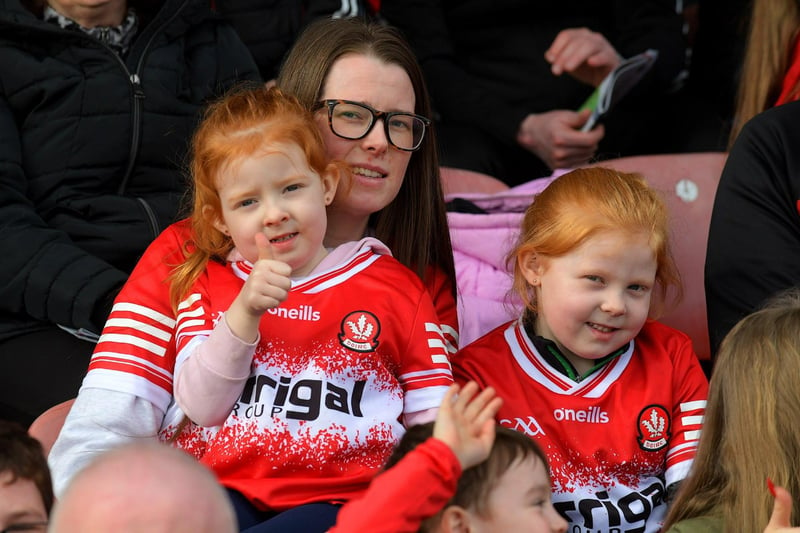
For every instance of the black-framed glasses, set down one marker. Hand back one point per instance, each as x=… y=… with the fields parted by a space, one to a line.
x=32 y=527
x=354 y=120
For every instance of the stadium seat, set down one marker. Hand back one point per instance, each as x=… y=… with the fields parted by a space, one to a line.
x=689 y=183
x=47 y=426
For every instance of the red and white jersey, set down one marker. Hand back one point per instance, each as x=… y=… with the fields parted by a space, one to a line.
x=338 y=364
x=352 y=349
x=137 y=350
x=614 y=440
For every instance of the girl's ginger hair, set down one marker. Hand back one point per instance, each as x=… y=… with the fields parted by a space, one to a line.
x=748 y=431
x=244 y=122
x=414 y=224
x=588 y=201
x=770 y=43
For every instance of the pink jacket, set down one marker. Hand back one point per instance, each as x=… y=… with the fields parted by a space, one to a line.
x=481 y=243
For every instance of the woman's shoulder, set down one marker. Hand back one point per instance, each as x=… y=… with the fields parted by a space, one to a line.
x=701 y=524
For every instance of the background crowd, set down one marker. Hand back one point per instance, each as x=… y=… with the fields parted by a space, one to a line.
x=102 y=112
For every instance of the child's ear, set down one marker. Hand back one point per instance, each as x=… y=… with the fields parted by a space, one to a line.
x=455 y=519
x=210 y=215
x=531 y=266
x=330 y=181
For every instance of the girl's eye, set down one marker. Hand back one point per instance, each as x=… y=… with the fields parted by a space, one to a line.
x=594 y=278
x=292 y=187
x=638 y=287
x=247 y=202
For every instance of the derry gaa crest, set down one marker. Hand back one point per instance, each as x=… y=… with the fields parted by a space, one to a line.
x=359 y=331
x=654 y=428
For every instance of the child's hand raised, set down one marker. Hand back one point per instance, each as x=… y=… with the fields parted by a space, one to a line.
x=266 y=287
x=465 y=422
x=269 y=283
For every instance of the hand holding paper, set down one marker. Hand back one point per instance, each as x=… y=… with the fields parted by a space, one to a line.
x=616 y=85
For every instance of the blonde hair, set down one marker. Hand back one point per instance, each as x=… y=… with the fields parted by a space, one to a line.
x=770 y=41
x=583 y=203
x=748 y=434
x=238 y=125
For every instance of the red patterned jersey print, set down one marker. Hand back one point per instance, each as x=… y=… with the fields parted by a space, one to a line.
x=615 y=440
x=136 y=353
x=338 y=364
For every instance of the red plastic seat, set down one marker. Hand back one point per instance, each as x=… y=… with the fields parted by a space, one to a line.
x=689 y=183
x=47 y=426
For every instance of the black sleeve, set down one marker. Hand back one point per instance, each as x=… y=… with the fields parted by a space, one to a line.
x=651 y=24
x=631 y=26
x=43 y=273
x=754 y=239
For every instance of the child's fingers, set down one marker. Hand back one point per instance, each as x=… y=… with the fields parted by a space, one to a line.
x=450 y=396
x=781 y=511
x=491 y=409
x=465 y=395
x=264 y=247
x=479 y=403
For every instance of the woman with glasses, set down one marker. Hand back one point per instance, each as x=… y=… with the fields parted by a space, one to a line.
x=366 y=91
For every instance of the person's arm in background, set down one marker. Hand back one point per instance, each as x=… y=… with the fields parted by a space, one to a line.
x=44 y=274
x=589 y=56
x=754 y=238
x=128 y=387
x=645 y=24
x=453 y=90
x=98 y=421
x=463 y=435
x=552 y=135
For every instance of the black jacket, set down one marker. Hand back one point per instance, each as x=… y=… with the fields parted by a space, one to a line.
x=754 y=238
x=269 y=28
x=92 y=152
x=484 y=60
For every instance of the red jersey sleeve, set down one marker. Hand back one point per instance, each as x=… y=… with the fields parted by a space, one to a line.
x=136 y=351
x=691 y=393
x=389 y=506
x=439 y=286
x=425 y=372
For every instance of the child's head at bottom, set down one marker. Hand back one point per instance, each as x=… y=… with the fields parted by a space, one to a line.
x=509 y=491
x=593 y=248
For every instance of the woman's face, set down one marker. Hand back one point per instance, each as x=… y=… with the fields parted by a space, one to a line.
x=378 y=167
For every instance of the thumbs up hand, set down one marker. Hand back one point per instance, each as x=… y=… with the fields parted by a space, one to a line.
x=269 y=283
x=266 y=287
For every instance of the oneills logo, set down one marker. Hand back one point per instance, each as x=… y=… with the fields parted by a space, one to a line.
x=359 y=331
